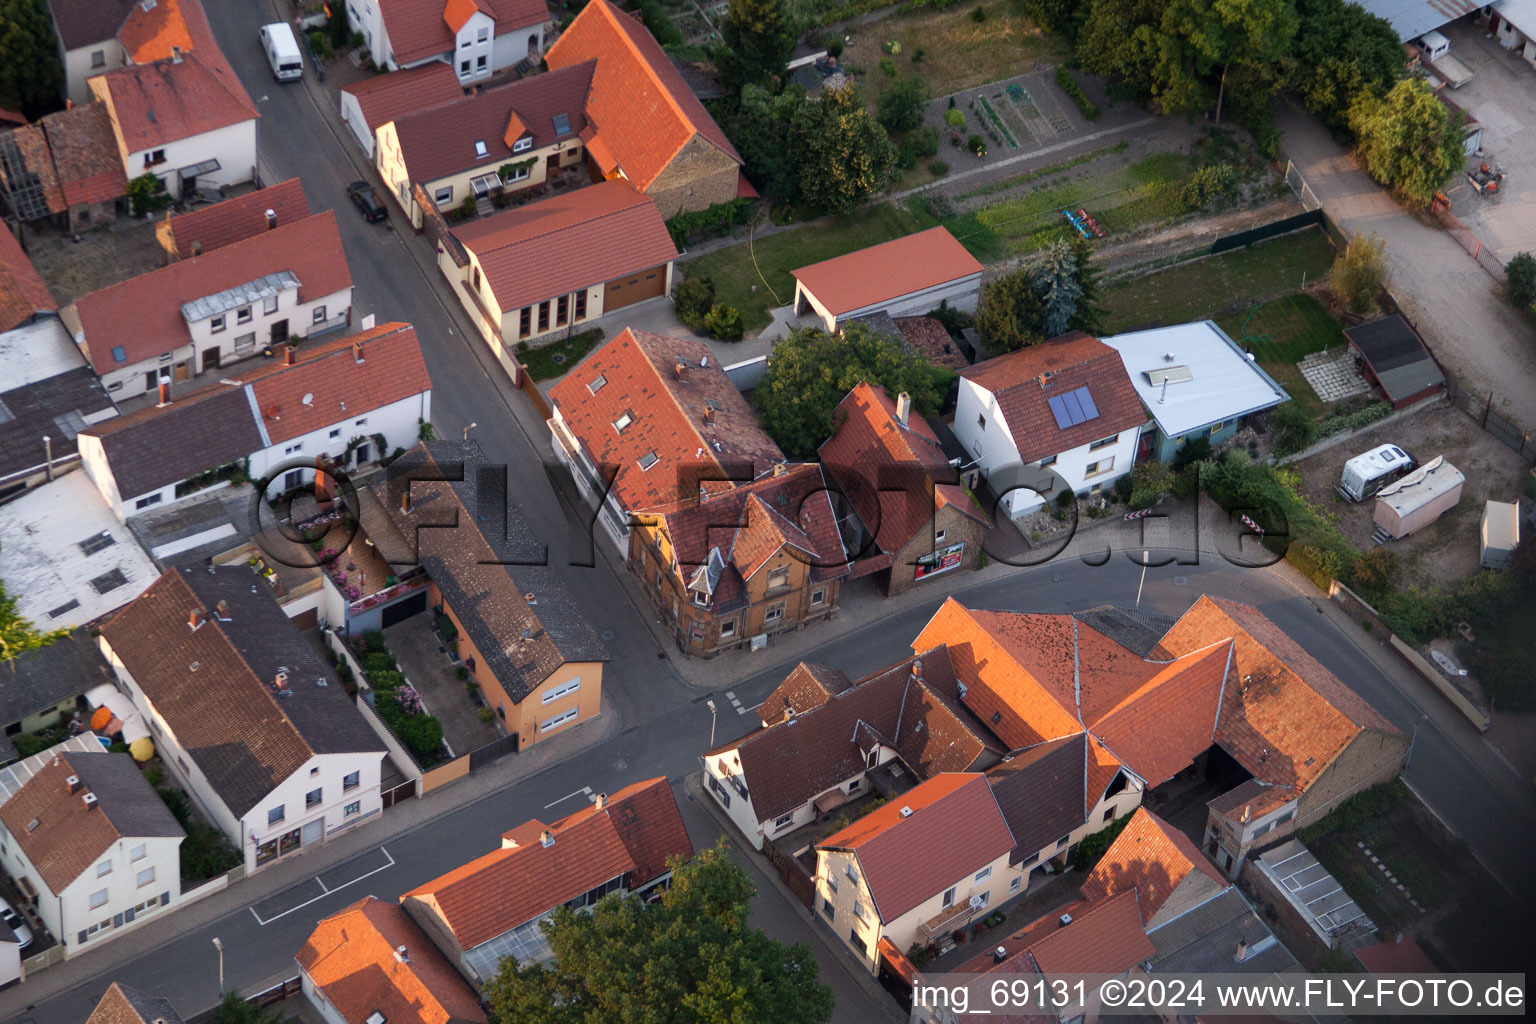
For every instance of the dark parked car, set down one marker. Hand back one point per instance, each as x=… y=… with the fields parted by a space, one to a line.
x=367 y=200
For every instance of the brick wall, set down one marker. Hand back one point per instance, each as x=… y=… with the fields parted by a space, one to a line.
x=1373 y=757
x=958 y=528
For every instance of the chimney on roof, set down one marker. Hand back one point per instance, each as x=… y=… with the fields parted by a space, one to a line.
x=903 y=407
x=1064 y=920
x=401 y=955
x=546 y=839
x=175 y=55
x=405 y=501
x=197 y=248
x=73 y=782
x=1045 y=378
x=280 y=681
x=530 y=598
x=709 y=413
x=89 y=800
x=601 y=801
x=195 y=618
x=221 y=611
x=681 y=369
x=357 y=351
x=271 y=219
x=165 y=394
x=999 y=955
x=1242 y=950
x=288 y=356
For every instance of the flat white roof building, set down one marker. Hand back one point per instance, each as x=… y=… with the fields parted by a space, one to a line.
x=1192 y=376
x=66 y=558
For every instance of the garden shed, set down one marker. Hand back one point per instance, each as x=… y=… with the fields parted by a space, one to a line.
x=1500 y=533
x=906 y=276
x=1394 y=358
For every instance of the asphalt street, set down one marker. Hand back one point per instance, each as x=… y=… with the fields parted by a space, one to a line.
x=665 y=723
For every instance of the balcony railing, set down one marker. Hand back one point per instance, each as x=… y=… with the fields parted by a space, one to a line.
x=951 y=918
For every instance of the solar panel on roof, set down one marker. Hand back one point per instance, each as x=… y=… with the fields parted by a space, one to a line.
x=1072 y=408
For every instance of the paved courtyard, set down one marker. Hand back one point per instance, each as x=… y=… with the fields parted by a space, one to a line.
x=445 y=696
x=1333 y=375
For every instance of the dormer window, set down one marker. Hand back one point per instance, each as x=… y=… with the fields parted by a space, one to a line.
x=480 y=151
x=524 y=143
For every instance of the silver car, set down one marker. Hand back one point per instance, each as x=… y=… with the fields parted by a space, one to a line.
x=16 y=923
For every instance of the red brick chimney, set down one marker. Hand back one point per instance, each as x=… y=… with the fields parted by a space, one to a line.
x=165 y=394
x=288 y=356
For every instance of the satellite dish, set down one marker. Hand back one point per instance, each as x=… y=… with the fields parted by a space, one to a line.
x=309 y=398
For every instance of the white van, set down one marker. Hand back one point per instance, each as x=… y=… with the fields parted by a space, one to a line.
x=283 y=53
x=1366 y=474
x=1433 y=46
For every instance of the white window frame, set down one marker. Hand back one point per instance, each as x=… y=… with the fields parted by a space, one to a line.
x=948 y=899
x=355 y=807
x=217 y=325
x=243 y=315
x=984 y=874
x=443 y=195
x=138 y=852
x=318 y=317
x=269 y=304
x=98 y=899
x=146 y=877
x=819 y=596
x=277 y=815
x=518 y=173
x=727 y=629
x=103 y=869
x=565 y=689
x=570 y=714
x=522 y=145
x=351 y=781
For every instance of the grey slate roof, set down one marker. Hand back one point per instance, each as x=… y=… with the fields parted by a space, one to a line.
x=32 y=410
x=1205 y=939
x=151 y=448
x=124 y=796
x=37 y=680
x=489 y=599
x=1397 y=356
x=1041 y=792
x=82 y=22
x=1136 y=631
x=214 y=685
x=124 y=1005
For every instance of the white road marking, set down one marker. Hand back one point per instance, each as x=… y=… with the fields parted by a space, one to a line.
x=585 y=791
x=268 y=920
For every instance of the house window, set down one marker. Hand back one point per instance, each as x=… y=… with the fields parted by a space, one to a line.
x=778 y=577
x=464 y=64
x=543 y=317
x=480 y=63
x=137 y=853
x=984 y=897
x=103 y=869
x=562 y=310
x=1015 y=884
x=101 y=541
x=352 y=808
x=581 y=305
x=276 y=814
x=147 y=876
x=623 y=421
x=853 y=938
x=98 y=58
x=559 y=720
x=153 y=499
x=858 y=912
x=854 y=785
x=477 y=279
x=727 y=629
x=293 y=448
x=1102 y=466
x=109 y=581
x=480 y=150
x=444 y=194
x=819 y=596
x=1104 y=442
x=1109 y=814
x=948 y=899
x=1063 y=840
x=648 y=460
x=98 y=898
x=773 y=616
x=54 y=613
x=336 y=432
x=701 y=599
x=349 y=781
x=828 y=911
x=245 y=342
x=1049 y=460
x=482 y=35
x=1216 y=427
x=312 y=798
x=981 y=421
x=1027 y=861
x=243 y=315
x=525 y=321
x=832 y=883
x=319 y=315
x=269 y=304
x=522 y=144
x=782 y=820
x=154 y=157
x=984 y=874
x=216 y=325
x=563 y=690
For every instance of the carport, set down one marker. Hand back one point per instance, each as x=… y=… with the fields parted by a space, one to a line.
x=1394 y=358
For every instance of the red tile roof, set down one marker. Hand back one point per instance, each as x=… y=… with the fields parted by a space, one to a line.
x=1073 y=360
x=82 y=22
x=143 y=314
x=439 y=141
x=953 y=828
x=155 y=33
x=1252 y=799
x=234 y=220
x=884 y=272
x=1161 y=729
x=384 y=98
x=925 y=335
x=1105 y=937
x=1151 y=858
x=457 y=12
x=638 y=375
x=170 y=99
x=807 y=686
x=1403 y=956
x=644 y=111
x=1284 y=716
x=337 y=383
x=419 y=29
x=895 y=475
x=568 y=242
x=351 y=958
x=86 y=162
x=22 y=292
x=516 y=884
x=12 y=117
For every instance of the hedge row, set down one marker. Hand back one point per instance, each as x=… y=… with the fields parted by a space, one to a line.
x=398 y=705
x=1071 y=88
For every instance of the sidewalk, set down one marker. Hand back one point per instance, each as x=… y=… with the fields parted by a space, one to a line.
x=104 y=960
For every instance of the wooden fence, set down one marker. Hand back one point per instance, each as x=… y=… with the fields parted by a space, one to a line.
x=794 y=874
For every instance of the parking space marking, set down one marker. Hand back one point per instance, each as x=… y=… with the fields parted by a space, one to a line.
x=325 y=890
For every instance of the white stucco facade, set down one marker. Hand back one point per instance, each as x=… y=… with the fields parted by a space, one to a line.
x=1086 y=469
x=84 y=61
x=232 y=145
x=479 y=49
x=725 y=782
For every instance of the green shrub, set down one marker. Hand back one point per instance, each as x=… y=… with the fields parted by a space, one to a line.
x=421 y=734
x=1372 y=571
x=373 y=640
x=938 y=168
x=660 y=24
x=724 y=322
x=1359 y=273
x=466 y=209
x=694 y=297
x=1065 y=498
x=890 y=47
x=887 y=67
x=385 y=681
x=976 y=144
x=1354 y=420
x=1092 y=847
x=833 y=43
x=1209 y=184
x=711 y=222
x=979 y=15
x=1196 y=450
x=461 y=673
x=1150 y=479
x=1123 y=488
x=377 y=661
x=1319 y=566
x=925 y=141
x=1520 y=272
x=27 y=744
x=1359 y=810
x=918 y=55
x=906 y=155
x=953 y=117
x=318 y=44
x=146 y=194
x=485 y=715
x=1294 y=429
x=1069 y=86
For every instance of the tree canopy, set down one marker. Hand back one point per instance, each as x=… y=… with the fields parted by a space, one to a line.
x=1342 y=51
x=690 y=959
x=810 y=372
x=1408 y=141
x=30 y=73
x=1054 y=292
x=17 y=635
x=757 y=39
x=842 y=155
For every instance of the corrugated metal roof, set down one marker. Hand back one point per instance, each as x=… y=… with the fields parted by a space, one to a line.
x=238 y=296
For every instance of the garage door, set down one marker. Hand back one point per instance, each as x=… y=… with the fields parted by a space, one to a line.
x=402 y=610
x=624 y=290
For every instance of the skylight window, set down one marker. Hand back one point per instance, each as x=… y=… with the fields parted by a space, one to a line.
x=597 y=385
x=622 y=422
x=648 y=460
x=119 y=355
x=562 y=124
x=480 y=150
x=108 y=582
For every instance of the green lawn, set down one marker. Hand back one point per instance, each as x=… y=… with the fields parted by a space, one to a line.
x=1292 y=326
x=1219 y=285
x=542 y=363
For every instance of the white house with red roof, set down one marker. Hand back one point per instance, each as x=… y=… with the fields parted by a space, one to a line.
x=349 y=400
x=199 y=315
x=178 y=109
x=1059 y=415
x=906 y=276
x=368 y=105
x=476 y=38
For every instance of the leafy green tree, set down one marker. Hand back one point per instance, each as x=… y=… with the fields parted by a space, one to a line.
x=1520 y=272
x=759 y=128
x=1054 y=15
x=693 y=298
x=1359 y=272
x=1121 y=40
x=757 y=39
x=30 y=74
x=1409 y=141
x=901 y=105
x=17 y=635
x=842 y=154
x=1342 y=52
x=811 y=372
x=1202 y=41
x=235 y=1010
x=1055 y=292
x=1088 y=316
x=1010 y=315
x=690 y=958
